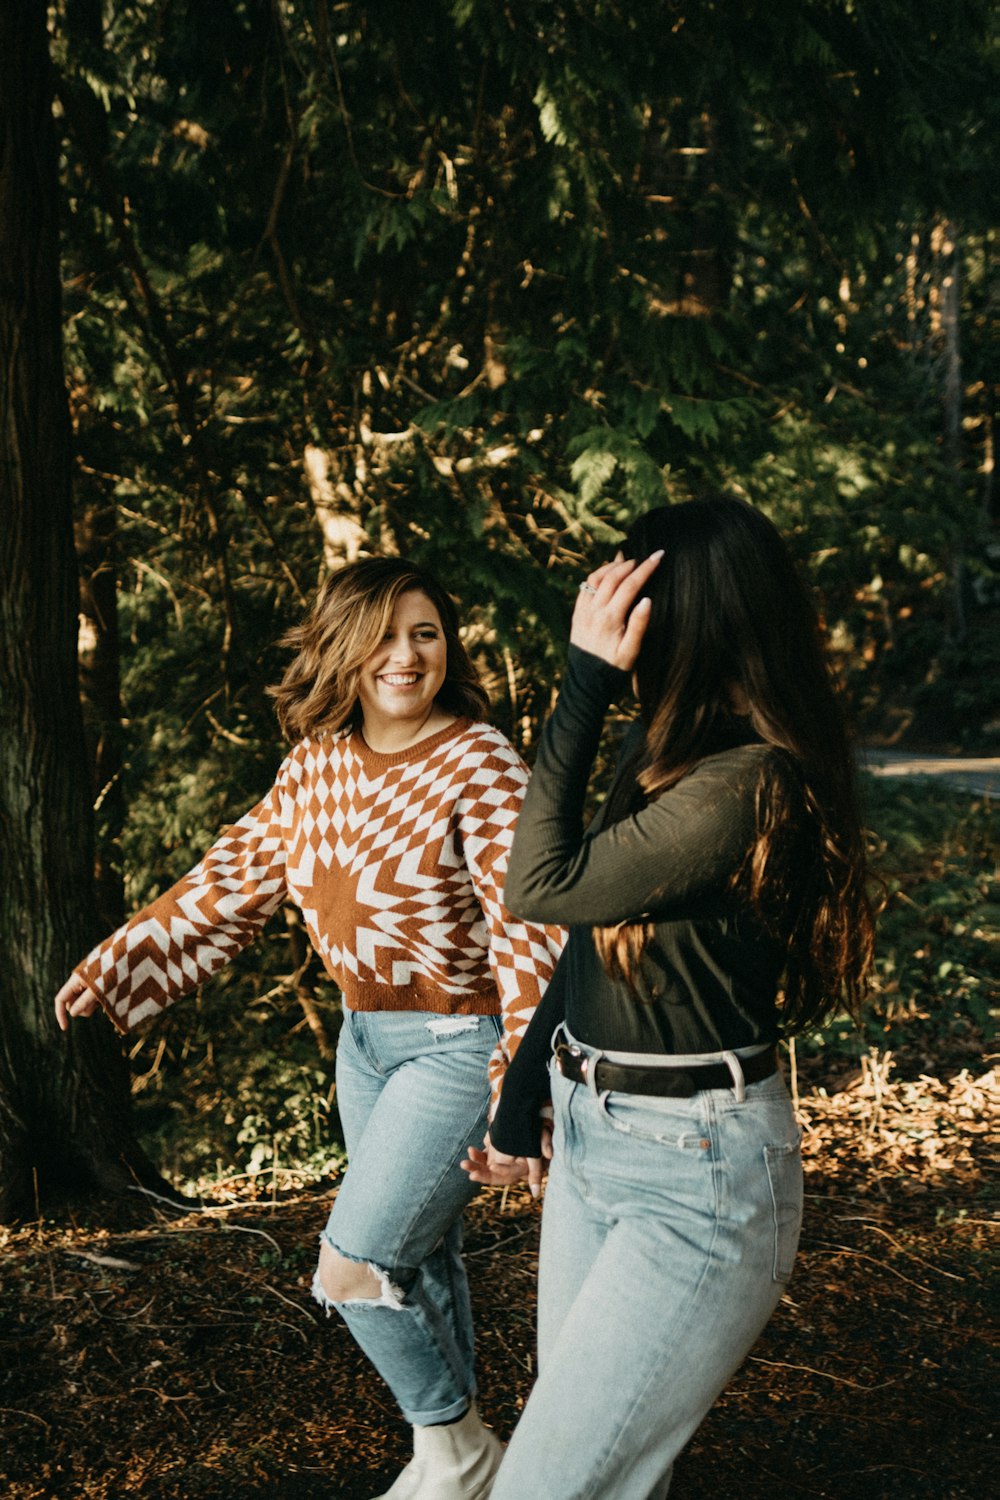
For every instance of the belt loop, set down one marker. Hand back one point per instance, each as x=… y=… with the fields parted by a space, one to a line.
x=739 y=1085
x=593 y=1058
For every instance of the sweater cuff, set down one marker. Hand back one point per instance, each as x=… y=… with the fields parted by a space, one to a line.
x=89 y=970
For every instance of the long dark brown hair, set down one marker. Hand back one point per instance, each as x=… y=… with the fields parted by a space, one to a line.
x=733 y=632
x=319 y=691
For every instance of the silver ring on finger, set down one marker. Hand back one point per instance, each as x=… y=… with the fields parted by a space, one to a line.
x=587 y=588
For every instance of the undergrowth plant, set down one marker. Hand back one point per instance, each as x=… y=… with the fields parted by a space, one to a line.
x=938 y=958
x=252 y=1106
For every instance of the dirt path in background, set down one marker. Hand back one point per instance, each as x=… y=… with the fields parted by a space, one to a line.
x=979 y=775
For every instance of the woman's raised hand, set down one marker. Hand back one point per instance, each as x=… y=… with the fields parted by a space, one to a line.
x=74 y=999
x=607 y=622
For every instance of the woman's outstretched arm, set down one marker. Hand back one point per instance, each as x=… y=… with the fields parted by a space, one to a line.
x=194 y=928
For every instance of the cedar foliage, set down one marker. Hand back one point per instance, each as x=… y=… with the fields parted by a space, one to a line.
x=476 y=283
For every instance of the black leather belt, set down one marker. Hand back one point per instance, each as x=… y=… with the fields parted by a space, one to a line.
x=665 y=1083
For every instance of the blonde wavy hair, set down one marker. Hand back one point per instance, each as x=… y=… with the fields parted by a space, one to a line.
x=319 y=691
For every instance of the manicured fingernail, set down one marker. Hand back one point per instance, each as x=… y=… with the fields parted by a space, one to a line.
x=534 y=1190
x=658 y=554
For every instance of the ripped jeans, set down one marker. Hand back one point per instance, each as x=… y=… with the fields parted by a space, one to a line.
x=413 y=1093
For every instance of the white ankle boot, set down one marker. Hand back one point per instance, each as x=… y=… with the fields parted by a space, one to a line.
x=454 y=1462
x=406 y=1484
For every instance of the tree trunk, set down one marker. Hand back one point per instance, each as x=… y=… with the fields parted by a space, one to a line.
x=95 y=440
x=100 y=690
x=64 y=1103
x=949 y=249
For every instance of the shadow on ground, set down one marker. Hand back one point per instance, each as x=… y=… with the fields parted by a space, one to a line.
x=150 y=1355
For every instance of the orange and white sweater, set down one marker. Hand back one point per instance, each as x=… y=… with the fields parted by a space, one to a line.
x=397 y=864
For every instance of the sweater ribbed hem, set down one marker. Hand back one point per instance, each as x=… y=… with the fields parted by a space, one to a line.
x=421 y=995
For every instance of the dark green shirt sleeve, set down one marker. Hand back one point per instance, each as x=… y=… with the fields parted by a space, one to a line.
x=517 y=1125
x=691 y=838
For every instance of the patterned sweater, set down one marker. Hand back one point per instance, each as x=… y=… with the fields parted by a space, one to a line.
x=397 y=864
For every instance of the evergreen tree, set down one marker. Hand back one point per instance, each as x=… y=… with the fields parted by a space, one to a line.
x=476 y=283
x=63 y=1105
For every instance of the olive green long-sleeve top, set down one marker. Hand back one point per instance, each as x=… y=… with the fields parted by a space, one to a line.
x=710 y=975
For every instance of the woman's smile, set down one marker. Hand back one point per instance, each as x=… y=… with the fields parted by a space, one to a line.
x=400 y=681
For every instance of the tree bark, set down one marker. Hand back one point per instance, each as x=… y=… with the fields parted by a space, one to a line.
x=100 y=692
x=949 y=248
x=97 y=551
x=64 y=1102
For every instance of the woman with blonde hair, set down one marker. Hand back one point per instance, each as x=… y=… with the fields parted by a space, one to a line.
x=717 y=901
x=389 y=826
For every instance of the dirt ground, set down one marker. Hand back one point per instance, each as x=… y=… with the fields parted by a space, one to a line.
x=146 y=1352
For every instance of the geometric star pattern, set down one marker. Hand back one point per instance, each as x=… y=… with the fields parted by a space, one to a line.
x=397 y=864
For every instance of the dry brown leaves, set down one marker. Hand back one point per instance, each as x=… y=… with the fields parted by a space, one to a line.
x=146 y=1353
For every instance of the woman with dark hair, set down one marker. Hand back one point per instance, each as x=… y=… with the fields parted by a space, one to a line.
x=389 y=826
x=717 y=899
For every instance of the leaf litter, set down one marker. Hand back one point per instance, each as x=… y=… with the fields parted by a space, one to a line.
x=155 y=1352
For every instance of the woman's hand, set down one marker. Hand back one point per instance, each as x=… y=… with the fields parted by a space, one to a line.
x=74 y=999
x=607 y=622
x=495 y=1168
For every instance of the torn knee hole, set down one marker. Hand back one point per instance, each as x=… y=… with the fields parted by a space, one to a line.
x=343 y=1279
x=339 y=1279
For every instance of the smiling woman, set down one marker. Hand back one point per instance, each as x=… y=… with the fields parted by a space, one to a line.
x=400 y=681
x=389 y=826
x=381 y=617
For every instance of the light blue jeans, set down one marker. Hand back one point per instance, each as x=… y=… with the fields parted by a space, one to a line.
x=669 y=1228
x=413 y=1093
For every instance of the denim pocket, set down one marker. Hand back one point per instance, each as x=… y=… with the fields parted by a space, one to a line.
x=664 y=1127
x=784 y=1174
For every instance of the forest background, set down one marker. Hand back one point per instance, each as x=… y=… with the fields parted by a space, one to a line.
x=473 y=282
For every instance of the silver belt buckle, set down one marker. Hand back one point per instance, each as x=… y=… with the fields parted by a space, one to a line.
x=575 y=1053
